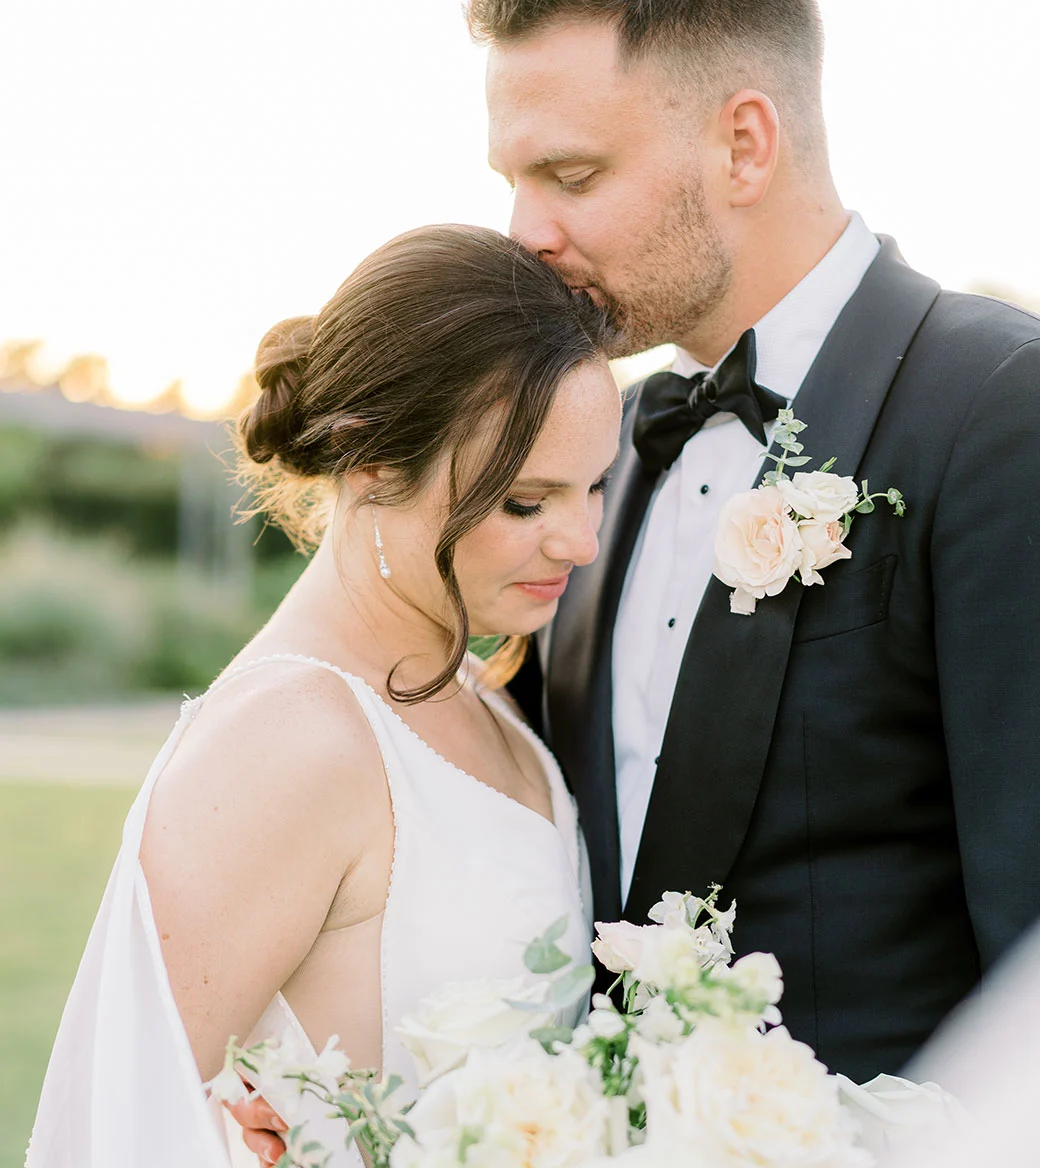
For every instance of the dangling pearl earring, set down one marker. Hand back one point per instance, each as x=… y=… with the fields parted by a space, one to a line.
x=384 y=567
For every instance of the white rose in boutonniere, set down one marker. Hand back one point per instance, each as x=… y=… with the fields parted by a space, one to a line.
x=789 y=526
x=821 y=547
x=819 y=495
x=757 y=548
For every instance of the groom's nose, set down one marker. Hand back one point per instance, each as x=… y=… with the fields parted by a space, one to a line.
x=533 y=225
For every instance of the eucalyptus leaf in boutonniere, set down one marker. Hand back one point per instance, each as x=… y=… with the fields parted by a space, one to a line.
x=790 y=526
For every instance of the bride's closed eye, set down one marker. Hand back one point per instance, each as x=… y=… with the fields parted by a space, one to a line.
x=529 y=510
x=521 y=510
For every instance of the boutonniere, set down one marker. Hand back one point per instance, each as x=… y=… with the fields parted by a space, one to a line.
x=789 y=527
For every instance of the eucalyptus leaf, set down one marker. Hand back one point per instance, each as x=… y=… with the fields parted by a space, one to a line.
x=866 y=507
x=800 y=461
x=543 y=955
x=570 y=987
x=547 y=1035
x=528 y=1007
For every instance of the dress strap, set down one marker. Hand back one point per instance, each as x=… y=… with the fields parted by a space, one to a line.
x=191 y=706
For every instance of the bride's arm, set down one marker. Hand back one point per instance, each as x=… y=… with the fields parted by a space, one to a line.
x=270 y=801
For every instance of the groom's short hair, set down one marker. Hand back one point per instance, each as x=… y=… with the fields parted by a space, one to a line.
x=718 y=46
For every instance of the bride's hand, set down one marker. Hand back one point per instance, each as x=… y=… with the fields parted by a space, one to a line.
x=260 y=1123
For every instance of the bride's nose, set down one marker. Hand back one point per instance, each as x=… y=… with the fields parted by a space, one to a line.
x=574 y=538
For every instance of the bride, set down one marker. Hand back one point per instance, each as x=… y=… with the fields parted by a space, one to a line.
x=352 y=815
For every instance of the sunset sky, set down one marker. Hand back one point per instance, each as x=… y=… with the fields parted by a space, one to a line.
x=181 y=176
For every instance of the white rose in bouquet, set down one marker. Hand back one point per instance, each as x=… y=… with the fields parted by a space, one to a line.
x=513 y=1107
x=761 y=979
x=619 y=945
x=672 y=959
x=731 y=1096
x=463 y=1016
x=819 y=494
x=896 y=1115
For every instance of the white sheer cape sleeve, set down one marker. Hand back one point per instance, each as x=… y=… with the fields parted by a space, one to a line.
x=122 y=1089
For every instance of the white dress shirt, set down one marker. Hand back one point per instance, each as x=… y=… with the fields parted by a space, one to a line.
x=673 y=557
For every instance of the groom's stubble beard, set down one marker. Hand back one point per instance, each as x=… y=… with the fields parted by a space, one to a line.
x=679 y=274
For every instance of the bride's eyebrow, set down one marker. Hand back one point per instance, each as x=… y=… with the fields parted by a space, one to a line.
x=540 y=484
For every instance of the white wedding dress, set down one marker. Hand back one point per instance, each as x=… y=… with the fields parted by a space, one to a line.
x=475 y=877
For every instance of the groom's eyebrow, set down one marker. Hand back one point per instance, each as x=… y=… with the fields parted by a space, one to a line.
x=555 y=157
x=550 y=158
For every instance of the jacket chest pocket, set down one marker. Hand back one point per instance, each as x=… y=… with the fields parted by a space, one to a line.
x=846 y=601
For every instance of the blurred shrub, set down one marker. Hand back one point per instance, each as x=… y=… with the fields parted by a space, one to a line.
x=90 y=485
x=85 y=620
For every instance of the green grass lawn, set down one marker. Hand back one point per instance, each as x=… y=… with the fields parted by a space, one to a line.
x=57 y=844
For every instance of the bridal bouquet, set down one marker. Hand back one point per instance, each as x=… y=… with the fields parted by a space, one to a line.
x=693 y=1068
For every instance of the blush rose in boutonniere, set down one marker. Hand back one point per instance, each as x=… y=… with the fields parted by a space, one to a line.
x=789 y=527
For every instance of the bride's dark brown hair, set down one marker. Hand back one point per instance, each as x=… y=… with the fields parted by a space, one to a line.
x=441 y=334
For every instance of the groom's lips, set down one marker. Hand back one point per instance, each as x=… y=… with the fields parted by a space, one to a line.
x=544 y=589
x=593 y=293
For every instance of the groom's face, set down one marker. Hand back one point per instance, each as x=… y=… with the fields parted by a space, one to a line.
x=606 y=166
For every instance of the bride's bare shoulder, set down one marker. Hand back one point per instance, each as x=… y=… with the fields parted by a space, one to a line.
x=281 y=733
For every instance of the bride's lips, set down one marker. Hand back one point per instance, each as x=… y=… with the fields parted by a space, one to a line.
x=544 y=589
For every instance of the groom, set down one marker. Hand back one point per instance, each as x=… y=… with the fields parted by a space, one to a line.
x=856 y=763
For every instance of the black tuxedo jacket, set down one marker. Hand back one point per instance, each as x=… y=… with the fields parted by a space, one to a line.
x=858 y=763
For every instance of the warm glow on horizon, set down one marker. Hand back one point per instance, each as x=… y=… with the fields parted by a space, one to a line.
x=182 y=177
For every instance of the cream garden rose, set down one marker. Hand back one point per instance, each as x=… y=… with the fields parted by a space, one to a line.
x=819 y=495
x=898 y=1115
x=513 y=1107
x=733 y=1096
x=821 y=547
x=757 y=548
x=464 y=1015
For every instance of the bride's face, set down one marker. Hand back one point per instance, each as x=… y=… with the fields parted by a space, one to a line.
x=513 y=568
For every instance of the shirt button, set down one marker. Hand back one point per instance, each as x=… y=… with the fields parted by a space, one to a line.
x=657 y=760
x=705 y=489
x=671 y=623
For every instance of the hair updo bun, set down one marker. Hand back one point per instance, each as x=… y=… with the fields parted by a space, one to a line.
x=273 y=426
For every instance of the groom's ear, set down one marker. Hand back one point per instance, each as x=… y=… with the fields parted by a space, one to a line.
x=749 y=130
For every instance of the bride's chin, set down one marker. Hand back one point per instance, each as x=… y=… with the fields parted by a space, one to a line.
x=515 y=624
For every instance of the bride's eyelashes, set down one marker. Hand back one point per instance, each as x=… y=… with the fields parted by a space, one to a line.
x=521 y=510
x=529 y=510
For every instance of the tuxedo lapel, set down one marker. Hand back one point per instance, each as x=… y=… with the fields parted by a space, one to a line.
x=578 y=672
x=720 y=725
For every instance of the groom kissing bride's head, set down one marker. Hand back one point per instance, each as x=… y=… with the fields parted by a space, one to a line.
x=668 y=157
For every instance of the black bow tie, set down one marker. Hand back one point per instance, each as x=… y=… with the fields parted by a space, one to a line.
x=672 y=408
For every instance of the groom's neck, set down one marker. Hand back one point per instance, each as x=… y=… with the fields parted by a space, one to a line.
x=774 y=249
